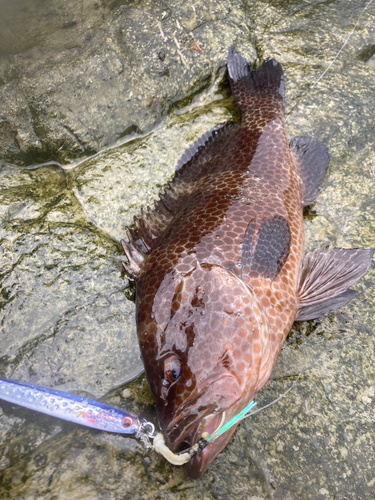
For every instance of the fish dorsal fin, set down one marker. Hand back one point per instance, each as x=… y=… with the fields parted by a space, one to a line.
x=264 y=255
x=191 y=165
x=189 y=170
x=325 y=277
x=312 y=161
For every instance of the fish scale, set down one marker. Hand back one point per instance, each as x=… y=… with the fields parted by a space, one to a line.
x=217 y=264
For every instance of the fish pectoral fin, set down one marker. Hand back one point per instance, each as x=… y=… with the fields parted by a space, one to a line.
x=312 y=161
x=325 y=277
x=318 y=310
x=264 y=254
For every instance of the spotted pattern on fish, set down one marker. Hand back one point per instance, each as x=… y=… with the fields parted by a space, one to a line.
x=217 y=263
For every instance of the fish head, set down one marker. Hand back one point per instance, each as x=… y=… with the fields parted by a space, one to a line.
x=202 y=348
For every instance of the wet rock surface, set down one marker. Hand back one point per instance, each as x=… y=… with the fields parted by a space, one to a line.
x=145 y=59
x=152 y=76
x=64 y=317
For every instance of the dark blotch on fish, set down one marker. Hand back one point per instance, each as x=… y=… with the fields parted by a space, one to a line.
x=219 y=264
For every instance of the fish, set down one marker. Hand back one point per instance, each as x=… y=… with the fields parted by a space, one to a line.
x=220 y=268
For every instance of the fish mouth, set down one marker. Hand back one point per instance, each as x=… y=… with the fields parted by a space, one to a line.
x=214 y=402
x=190 y=431
x=198 y=464
x=214 y=395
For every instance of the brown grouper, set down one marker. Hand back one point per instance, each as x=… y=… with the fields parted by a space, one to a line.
x=219 y=264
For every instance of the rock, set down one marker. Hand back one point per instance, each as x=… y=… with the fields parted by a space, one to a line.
x=99 y=88
x=151 y=76
x=65 y=319
x=113 y=185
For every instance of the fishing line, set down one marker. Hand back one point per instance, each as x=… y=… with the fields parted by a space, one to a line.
x=330 y=65
x=245 y=413
x=233 y=421
x=182 y=458
x=275 y=401
x=97 y=415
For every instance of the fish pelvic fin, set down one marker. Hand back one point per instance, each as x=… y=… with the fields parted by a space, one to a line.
x=256 y=92
x=312 y=160
x=189 y=169
x=325 y=277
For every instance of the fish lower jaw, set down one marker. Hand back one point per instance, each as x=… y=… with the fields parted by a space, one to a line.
x=186 y=439
x=198 y=465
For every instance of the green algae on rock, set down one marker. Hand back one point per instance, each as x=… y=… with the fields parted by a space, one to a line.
x=62 y=304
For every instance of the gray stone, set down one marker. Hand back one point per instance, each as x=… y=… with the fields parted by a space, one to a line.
x=84 y=96
x=65 y=319
x=151 y=76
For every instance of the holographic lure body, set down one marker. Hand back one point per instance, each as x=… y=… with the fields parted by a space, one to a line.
x=85 y=411
x=71 y=407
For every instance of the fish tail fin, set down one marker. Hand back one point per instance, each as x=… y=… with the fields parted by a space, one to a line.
x=262 y=89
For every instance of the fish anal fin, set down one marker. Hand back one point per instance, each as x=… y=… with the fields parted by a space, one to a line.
x=264 y=257
x=325 y=277
x=189 y=170
x=312 y=160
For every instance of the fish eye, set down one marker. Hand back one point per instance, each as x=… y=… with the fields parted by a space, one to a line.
x=172 y=368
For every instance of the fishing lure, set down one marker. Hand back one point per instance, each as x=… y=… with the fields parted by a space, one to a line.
x=91 y=413
x=73 y=408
